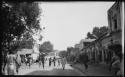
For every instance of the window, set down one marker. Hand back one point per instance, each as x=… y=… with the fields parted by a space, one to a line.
x=115 y=24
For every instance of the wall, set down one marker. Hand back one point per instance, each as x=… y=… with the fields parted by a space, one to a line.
x=114 y=14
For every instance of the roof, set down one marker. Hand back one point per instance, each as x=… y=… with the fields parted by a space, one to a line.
x=25 y=51
x=88 y=40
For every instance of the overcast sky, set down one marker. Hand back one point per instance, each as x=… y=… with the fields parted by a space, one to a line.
x=66 y=23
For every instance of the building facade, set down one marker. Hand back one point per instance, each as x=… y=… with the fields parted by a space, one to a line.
x=115 y=24
x=97 y=50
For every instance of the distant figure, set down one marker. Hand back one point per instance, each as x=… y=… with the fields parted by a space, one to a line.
x=11 y=64
x=58 y=62
x=43 y=61
x=18 y=62
x=39 y=60
x=25 y=60
x=50 y=61
x=4 y=62
x=29 y=60
x=54 y=61
x=63 y=62
x=84 y=58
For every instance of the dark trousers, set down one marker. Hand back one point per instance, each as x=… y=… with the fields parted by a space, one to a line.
x=86 y=65
x=49 y=63
x=54 y=63
x=43 y=64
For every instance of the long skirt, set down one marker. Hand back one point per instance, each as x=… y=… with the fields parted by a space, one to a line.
x=10 y=69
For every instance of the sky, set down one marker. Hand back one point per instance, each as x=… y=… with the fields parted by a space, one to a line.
x=66 y=23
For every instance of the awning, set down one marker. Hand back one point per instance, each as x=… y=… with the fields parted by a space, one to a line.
x=25 y=51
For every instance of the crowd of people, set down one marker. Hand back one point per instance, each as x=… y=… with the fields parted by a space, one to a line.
x=52 y=60
x=14 y=61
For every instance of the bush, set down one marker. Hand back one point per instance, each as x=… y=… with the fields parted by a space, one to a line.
x=71 y=58
x=117 y=49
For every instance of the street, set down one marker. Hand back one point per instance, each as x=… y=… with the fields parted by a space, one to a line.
x=62 y=39
x=56 y=71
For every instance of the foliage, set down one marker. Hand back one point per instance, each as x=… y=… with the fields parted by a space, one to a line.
x=72 y=54
x=63 y=54
x=89 y=35
x=69 y=49
x=117 y=49
x=46 y=47
x=97 y=32
x=71 y=58
x=17 y=18
x=83 y=58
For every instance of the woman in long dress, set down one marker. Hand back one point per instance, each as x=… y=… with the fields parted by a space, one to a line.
x=63 y=62
x=11 y=64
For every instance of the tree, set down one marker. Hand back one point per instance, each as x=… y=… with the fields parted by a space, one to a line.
x=69 y=49
x=117 y=49
x=46 y=47
x=97 y=32
x=72 y=54
x=90 y=36
x=103 y=30
x=63 y=54
x=18 y=18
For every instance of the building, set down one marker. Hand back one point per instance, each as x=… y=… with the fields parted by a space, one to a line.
x=77 y=46
x=86 y=42
x=25 y=51
x=114 y=17
x=97 y=50
x=115 y=25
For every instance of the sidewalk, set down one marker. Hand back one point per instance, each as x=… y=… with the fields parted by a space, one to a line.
x=94 y=69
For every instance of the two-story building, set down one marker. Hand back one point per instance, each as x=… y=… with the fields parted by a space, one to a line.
x=97 y=50
x=115 y=25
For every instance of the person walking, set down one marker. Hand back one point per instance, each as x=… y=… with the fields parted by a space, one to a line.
x=10 y=64
x=29 y=60
x=54 y=61
x=84 y=60
x=39 y=59
x=18 y=62
x=4 y=63
x=26 y=60
x=63 y=62
x=43 y=60
x=50 y=61
x=58 y=62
